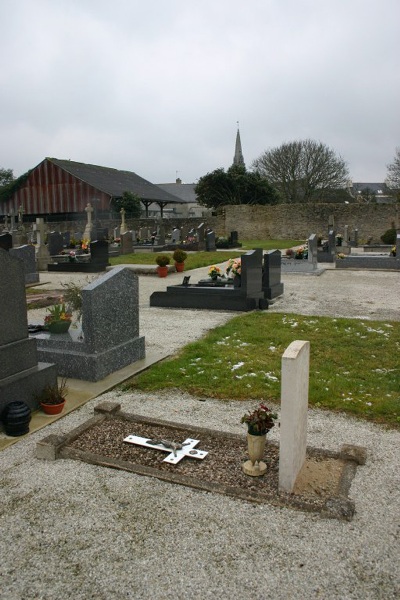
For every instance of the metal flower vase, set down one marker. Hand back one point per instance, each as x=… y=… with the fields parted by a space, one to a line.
x=255 y=467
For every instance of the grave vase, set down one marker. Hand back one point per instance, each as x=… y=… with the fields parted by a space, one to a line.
x=255 y=467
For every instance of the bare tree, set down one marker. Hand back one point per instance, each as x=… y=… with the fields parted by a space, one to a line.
x=393 y=172
x=303 y=170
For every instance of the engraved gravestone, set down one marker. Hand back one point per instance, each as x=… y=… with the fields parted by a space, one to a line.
x=55 y=243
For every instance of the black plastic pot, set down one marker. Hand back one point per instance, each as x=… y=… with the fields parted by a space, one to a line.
x=16 y=417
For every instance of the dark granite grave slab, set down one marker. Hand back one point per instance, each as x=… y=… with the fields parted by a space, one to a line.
x=249 y=296
x=6 y=241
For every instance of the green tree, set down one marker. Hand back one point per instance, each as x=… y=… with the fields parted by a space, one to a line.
x=235 y=186
x=130 y=202
x=6 y=176
x=303 y=170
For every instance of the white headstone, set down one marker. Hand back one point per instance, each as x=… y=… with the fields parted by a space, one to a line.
x=294 y=405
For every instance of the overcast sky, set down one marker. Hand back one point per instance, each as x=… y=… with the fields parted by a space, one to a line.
x=157 y=86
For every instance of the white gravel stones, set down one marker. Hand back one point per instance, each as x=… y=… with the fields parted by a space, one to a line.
x=69 y=529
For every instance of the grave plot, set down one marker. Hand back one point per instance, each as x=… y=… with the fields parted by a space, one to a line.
x=322 y=486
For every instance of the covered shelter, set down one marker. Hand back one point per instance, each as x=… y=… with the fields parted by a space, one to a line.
x=65 y=187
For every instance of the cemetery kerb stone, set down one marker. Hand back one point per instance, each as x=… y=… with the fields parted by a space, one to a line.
x=21 y=375
x=110 y=328
x=250 y=295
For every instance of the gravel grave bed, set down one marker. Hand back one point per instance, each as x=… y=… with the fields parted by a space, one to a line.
x=220 y=471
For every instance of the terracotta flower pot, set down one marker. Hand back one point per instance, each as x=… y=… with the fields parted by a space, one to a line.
x=180 y=267
x=162 y=271
x=52 y=409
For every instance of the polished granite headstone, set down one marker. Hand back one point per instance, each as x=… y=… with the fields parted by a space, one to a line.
x=21 y=375
x=6 y=241
x=110 y=330
x=27 y=255
x=272 y=285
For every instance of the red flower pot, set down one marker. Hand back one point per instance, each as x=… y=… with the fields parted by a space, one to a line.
x=162 y=271
x=52 y=409
x=180 y=267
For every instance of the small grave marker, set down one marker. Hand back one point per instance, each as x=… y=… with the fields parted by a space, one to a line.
x=187 y=448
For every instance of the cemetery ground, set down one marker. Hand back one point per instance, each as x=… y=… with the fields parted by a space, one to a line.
x=112 y=534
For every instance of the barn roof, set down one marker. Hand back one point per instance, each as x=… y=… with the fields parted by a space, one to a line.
x=115 y=182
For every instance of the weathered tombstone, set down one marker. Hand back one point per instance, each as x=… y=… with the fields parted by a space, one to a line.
x=42 y=253
x=313 y=249
x=27 y=255
x=100 y=233
x=332 y=241
x=66 y=236
x=99 y=254
x=271 y=278
x=176 y=236
x=398 y=247
x=55 y=243
x=123 y=228
x=200 y=236
x=161 y=235
x=117 y=232
x=6 y=241
x=345 y=241
x=294 y=406
x=21 y=376
x=210 y=241
x=110 y=328
x=356 y=238
x=126 y=243
x=87 y=234
x=233 y=238
x=78 y=236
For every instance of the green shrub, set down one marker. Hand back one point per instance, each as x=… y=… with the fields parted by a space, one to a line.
x=389 y=237
x=163 y=260
x=221 y=242
x=179 y=255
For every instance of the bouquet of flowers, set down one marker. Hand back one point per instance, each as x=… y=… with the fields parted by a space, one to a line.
x=234 y=267
x=214 y=272
x=260 y=421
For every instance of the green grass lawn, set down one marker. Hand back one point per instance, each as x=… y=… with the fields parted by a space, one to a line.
x=195 y=260
x=354 y=365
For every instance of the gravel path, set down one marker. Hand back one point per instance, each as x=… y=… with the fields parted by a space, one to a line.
x=75 y=530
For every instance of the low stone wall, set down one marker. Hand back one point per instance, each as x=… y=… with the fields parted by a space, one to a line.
x=297 y=221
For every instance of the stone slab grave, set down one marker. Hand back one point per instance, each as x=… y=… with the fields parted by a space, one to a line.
x=95 y=262
x=251 y=294
x=371 y=262
x=328 y=253
x=21 y=373
x=110 y=337
x=307 y=266
x=102 y=441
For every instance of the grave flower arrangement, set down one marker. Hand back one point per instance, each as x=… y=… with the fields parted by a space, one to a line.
x=301 y=252
x=59 y=319
x=52 y=397
x=260 y=421
x=341 y=255
x=393 y=251
x=85 y=246
x=214 y=272
x=234 y=267
x=72 y=256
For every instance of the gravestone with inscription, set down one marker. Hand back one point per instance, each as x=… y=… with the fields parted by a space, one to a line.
x=27 y=255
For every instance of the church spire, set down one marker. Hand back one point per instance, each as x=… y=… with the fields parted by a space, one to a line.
x=238 y=158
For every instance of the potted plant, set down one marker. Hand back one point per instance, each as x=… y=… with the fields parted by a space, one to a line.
x=59 y=319
x=52 y=397
x=259 y=422
x=163 y=261
x=289 y=253
x=179 y=256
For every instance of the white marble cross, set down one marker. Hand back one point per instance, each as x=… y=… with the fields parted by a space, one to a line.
x=176 y=454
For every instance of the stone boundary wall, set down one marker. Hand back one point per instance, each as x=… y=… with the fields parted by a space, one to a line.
x=298 y=221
